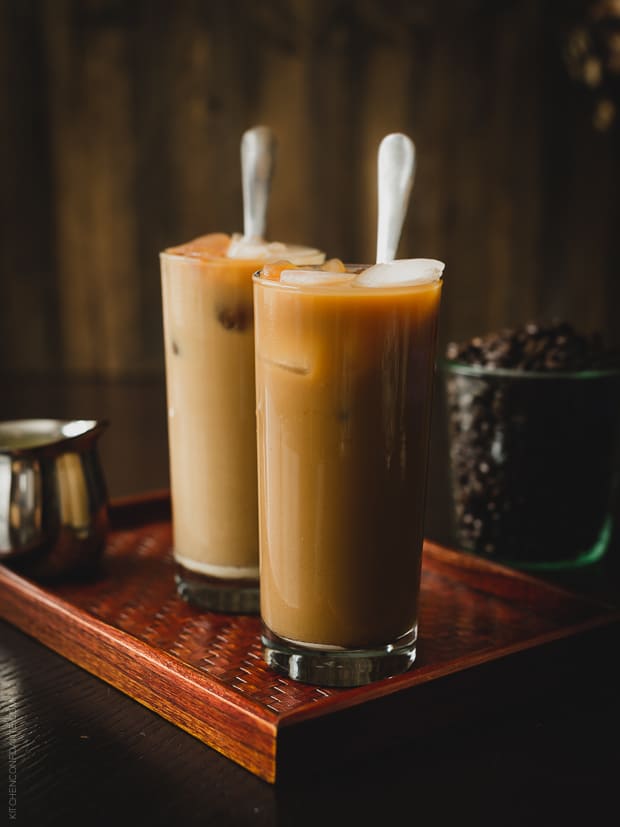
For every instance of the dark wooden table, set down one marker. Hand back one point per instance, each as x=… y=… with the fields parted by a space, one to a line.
x=86 y=754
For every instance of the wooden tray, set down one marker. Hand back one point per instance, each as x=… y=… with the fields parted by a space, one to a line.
x=204 y=672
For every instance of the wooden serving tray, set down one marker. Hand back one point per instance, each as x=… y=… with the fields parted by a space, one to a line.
x=204 y=672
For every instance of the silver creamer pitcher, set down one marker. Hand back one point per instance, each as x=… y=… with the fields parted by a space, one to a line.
x=53 y=496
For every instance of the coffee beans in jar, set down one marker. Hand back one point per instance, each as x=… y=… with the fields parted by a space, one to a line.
x=533 y=420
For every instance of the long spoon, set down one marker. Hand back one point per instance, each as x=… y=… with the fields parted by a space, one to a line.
x=396 y=168
x=258 y=156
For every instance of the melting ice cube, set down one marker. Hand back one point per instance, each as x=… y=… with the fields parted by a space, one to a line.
x=258 y=249
x=253 y=248
x=291 y=367
x=213 y=244
x=401 y=272
x=317 y=278
x=334 y=265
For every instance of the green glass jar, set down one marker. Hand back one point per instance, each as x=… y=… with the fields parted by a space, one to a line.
x=533 y=463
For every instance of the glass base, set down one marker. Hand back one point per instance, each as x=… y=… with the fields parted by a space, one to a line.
x=578 y=561
x=217 y=594
x=586 y=558
x=334 y=666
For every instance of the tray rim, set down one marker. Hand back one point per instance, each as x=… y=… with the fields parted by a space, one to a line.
x=33 y=592
x=120 y=667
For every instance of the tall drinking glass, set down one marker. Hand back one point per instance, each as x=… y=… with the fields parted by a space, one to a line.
x=209 y=346
x=344 y=376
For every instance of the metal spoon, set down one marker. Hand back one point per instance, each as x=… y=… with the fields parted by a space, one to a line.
x=396 y=167
x=258 y=155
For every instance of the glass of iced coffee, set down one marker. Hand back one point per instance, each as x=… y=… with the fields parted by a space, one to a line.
x=344 y=370
x=209 y=350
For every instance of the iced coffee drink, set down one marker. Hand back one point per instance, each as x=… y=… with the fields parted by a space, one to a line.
x=209 y=348
x=344 y=370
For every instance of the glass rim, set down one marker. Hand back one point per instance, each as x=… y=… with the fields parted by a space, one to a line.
x=256 y=262
x=351 y=268
x=55 y=435
x=483 y=372
x=210 y=259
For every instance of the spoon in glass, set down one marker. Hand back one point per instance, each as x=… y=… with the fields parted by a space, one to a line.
x=396 y=168
x=258 y=155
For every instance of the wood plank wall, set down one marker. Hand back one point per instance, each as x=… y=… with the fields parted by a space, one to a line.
x=119 y=135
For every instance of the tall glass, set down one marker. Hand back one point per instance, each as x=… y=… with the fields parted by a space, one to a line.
x=343 y=377
x=209 y=344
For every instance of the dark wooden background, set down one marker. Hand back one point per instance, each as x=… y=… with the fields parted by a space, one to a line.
x=119 y=135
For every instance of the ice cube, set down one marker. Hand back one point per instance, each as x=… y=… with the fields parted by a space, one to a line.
x=253 y=248
x=303 y=255
x=237 y=318
x=334 y=265
x=291 y=367
x=258 y=249
x=400 y=272
x=272 y=269
x=317 y=278
x=213 y=244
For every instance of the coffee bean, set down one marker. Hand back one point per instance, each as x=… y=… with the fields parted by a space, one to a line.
x=536 y=347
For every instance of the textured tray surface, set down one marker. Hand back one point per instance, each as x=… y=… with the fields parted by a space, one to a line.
x=204 y=671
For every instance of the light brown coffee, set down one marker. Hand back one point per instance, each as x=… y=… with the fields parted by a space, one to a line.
x=209 y=345
x=344 y=376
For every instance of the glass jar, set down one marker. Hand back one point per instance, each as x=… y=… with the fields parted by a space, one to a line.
x=533 y=463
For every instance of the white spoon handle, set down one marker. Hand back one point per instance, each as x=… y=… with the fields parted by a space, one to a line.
x=396 y=167
x=258 y=155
